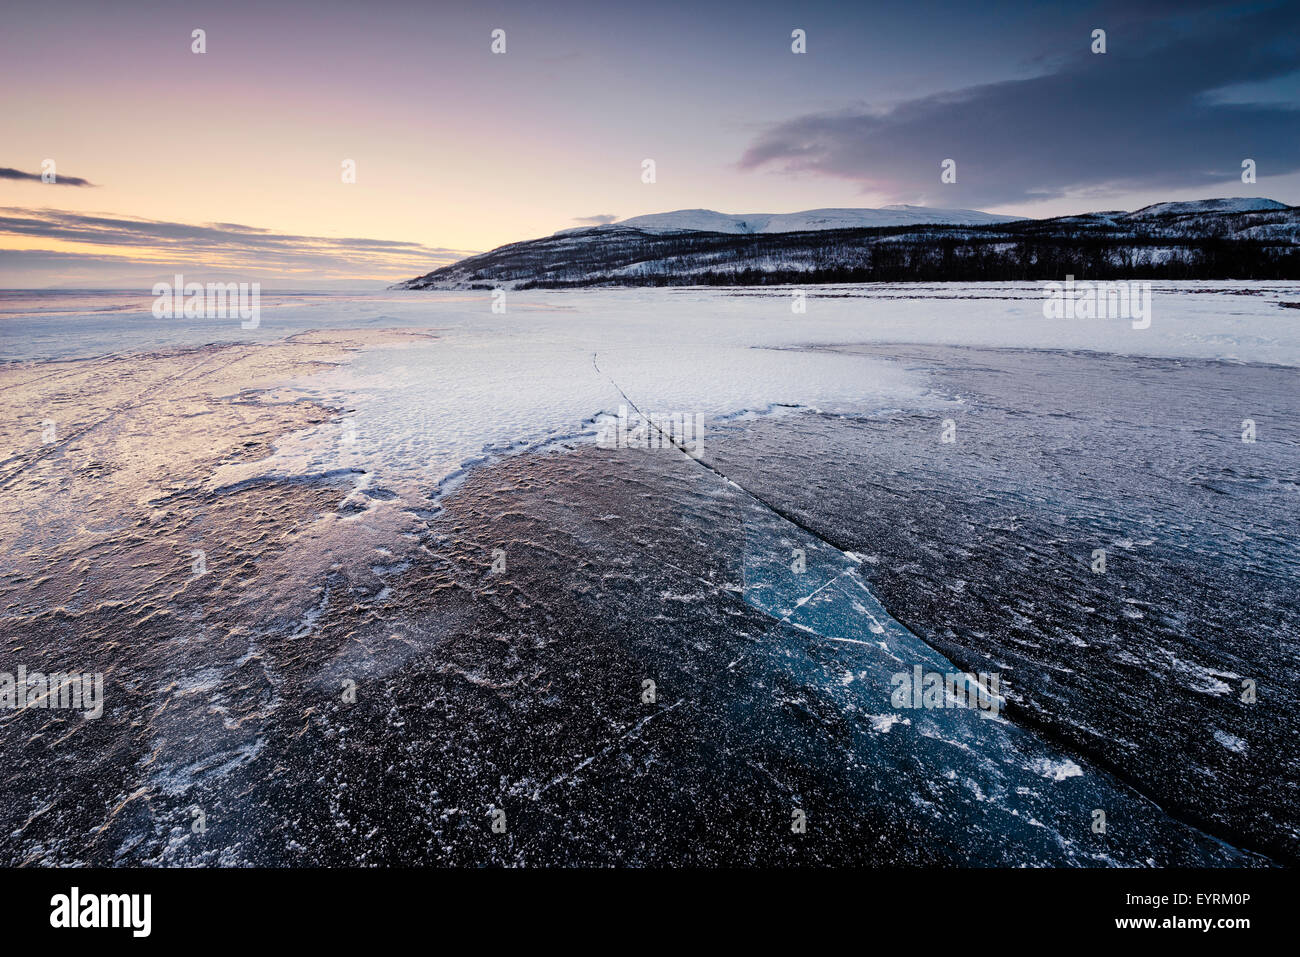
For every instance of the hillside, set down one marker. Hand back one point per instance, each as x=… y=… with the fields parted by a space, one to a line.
x=1207 y=239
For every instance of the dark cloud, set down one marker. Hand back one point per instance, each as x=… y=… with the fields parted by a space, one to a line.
x=1140 y=116
x=59 y=179
x=598 y=220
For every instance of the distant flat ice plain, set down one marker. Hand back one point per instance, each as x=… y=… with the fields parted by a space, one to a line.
x=501 y=381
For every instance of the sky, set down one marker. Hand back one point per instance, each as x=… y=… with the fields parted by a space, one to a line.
x=229 y=164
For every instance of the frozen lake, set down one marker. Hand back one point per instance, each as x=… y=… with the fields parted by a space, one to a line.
x=403 y=491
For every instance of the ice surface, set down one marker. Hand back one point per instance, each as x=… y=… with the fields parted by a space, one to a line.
x=491 y=383
x=620 y=568
x=1195 y=319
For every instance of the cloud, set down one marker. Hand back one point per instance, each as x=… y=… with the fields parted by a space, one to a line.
x=1144 y=115
x=598 y=220
x=229 y=248
x=59 y=179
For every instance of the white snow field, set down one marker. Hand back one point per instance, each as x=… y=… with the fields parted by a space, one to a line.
x=809 y=219
x=491 y=382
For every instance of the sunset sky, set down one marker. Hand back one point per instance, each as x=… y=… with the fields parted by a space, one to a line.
x=229 y=163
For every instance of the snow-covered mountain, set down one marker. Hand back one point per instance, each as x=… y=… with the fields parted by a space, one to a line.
x=1199 y=207
x=708 y=220
x=1206 y=239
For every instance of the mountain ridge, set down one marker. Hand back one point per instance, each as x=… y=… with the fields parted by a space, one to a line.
x=1232 y=238
x=709 y=220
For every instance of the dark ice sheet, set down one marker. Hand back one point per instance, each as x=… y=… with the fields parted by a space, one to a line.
x=523 y=691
